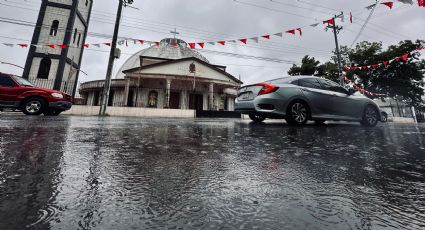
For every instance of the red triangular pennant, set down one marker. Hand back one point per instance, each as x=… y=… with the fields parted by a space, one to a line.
x=405 y=57
x=157 y=43
x=107 y=44
x=23 y=45
x=142 y=41
x=85 y=45
x=201 y=44
x=330 y=21
x=351 y=17
x=173 y=43
x=192 y=45
x=221 y=42
x=266 y=36
x=290 y=31
x=243 y=40
x=385 y=63
x=374 y=66
x=421 y=3
x=51 y=46
x=62 y=46
x=389 y=4
x=364 y=67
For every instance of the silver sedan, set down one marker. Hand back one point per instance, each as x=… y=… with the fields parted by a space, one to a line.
x=302 y=98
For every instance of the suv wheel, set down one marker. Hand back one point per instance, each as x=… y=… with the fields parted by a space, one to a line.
x=370 y=116
x=257 y=118
x=298 y=113
x=33 y=106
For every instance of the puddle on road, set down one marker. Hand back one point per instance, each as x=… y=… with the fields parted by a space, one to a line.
x=117 y=173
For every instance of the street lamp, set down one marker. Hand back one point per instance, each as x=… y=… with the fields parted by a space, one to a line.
x=112 y=56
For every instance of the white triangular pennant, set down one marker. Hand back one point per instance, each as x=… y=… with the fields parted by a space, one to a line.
x=255 y=39
x=211 y=43
x=8 y=44
x=279 y=34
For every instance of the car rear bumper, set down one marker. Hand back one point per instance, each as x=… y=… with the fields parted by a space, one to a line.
x=60 y=105
x=274 y=107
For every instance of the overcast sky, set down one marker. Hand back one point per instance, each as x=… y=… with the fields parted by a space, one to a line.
x=202 y=20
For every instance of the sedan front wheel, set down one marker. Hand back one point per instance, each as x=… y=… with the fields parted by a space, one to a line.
x=370 y=116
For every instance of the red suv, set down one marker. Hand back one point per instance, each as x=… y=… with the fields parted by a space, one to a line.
x=18 y=93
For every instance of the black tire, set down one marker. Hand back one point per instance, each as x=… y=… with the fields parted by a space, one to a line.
x=384 y=117
x=370 y=116
x=257 y=118
x=297 y=113
x=33 y=106
x=52 y=112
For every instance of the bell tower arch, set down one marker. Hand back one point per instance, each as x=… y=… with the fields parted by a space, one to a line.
x=54 y=58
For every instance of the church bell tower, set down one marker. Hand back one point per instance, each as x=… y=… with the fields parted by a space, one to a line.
x=57 y=45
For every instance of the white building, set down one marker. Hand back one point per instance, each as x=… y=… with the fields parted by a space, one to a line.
x=170 y=75
x=55 y=55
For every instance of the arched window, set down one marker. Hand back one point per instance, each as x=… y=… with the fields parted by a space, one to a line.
x=44 y=69
x=54 y=28
x=153 y=99
x=75 y=36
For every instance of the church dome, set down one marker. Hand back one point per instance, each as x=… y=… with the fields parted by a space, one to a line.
x=170 y=48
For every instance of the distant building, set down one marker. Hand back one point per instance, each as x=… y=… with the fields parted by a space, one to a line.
x=63 y=23
x=170 y=75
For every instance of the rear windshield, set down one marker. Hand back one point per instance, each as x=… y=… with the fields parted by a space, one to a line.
x=283 y=80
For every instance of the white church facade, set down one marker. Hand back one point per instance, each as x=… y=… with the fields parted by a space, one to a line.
x=167 y=76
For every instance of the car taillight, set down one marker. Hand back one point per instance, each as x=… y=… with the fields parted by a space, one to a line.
x=267 y=88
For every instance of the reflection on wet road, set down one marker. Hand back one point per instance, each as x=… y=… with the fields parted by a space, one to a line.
x=124 y=173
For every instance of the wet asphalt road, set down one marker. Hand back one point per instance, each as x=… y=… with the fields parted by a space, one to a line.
x=128 y=173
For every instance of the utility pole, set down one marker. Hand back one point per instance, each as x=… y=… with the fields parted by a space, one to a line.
x=107 y=86
x=336 y=30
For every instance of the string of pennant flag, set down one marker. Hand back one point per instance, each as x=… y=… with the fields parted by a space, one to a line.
x=244 y=40
x=403 y=57
x=361 y=89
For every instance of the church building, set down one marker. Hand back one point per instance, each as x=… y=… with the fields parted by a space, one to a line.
x=171 y=76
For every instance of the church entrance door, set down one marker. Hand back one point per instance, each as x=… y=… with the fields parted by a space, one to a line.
x=196 y=102
x=174 y=100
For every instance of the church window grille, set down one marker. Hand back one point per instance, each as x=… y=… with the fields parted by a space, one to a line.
x=54 y=28
x=44 y=69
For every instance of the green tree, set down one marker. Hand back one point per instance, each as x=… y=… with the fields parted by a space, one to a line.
x=308 y=67
x=400 y=79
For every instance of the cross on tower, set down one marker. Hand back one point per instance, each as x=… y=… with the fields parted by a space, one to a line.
x=174 y=32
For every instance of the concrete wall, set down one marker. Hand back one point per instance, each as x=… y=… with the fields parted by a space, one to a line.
x=82 y=110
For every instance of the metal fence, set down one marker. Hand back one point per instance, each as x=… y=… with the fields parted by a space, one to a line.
x=66 y=86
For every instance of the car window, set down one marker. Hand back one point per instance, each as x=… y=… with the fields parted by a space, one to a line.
x=309 y=83
x=22 y=81
x=6 y=81
x=331 y=86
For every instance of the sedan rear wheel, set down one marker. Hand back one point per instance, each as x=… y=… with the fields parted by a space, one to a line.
x=298 y=113
x=257 y=118
x=370 y=116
